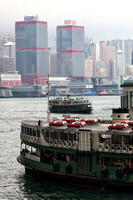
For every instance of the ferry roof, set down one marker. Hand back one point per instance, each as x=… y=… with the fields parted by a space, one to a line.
x=98 y=127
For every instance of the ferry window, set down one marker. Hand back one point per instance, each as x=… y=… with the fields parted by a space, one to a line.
x=46 y=134
x=72 y=157
x=100 y=161
x=124 y=101
x=101 y=139
x=34 y=132
x=22 y=129
x=113 y=162
x=126 y=140
x=116 y=139
x=28 y=131
x=72 y=136
x=131 y=99
x=105 y=138
x=47 y=156
x=25 y=130
x=54 y=134
x=64 y=136
x=61 y=156
x=131 y=140
x=38 y=133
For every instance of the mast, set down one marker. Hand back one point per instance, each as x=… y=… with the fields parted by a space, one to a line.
x=48 y=112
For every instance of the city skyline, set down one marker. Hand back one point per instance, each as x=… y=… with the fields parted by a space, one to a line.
x=100 y=19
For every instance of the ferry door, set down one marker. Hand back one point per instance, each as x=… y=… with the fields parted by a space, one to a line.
x=84 y=164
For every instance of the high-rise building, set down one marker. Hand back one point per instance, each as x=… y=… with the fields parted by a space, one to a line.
x=89 y=63
x=32 y=50
x=128 y=49
x=70 y=49
x=103 y=52
x=108 y=57
x=90 y=48
x=117 y=43
x=120 y=63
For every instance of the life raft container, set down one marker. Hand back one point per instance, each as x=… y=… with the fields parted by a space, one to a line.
x=117 y=126
x=130 y=123
x=57 y=123
x=89 y=121
x=76 y=124
x=70 y=120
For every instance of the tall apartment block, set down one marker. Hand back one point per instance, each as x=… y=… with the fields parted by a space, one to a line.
x=32 y=50
x=70 y=49
x=108 y=58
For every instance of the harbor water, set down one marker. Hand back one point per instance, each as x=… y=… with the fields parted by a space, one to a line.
x=14 y=183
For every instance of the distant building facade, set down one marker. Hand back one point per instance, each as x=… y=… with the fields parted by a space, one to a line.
x=32 y=49
x=120 y=63
x=70 y=49
x=7 y=54
x=6 y=64
x=89 y=63
x=128 y=50
x=90 y=48
x=10 y=79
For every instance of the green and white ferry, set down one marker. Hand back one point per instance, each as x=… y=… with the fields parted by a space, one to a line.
x=67 y=105
x=88 y=153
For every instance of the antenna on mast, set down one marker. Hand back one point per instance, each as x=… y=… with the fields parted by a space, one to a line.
x=48 y=112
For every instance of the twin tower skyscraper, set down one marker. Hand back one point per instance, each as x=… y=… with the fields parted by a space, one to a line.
x=32 y=57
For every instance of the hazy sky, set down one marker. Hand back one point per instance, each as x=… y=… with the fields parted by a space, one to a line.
x=102 y=19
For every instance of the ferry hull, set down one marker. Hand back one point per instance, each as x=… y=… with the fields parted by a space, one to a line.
x=66 y=109
x=77 y=180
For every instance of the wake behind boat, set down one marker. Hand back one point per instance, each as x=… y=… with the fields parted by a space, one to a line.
x=70 y=105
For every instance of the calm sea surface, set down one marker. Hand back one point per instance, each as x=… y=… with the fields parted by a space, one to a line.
x=14 y=183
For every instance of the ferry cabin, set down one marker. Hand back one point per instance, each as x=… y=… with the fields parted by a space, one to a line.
x=89 y=153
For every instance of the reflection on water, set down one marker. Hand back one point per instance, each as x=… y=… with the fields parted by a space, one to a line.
x=34 y=187
x=14 y=183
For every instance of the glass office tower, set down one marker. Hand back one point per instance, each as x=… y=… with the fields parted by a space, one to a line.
x=31 y=49
x=70 y=49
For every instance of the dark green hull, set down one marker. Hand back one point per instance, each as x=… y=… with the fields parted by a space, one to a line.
x=70 y=109
x=76 y=179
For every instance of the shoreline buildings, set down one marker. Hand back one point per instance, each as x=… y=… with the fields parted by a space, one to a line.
x=32 y=50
